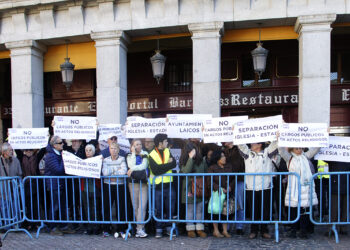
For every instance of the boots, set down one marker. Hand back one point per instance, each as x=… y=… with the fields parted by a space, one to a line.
x=191 y=234
x=201 y=234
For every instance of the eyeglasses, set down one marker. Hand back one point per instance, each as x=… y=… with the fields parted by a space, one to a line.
x=114 y=138
x=61 y=142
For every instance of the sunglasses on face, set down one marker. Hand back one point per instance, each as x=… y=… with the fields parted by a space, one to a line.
x=61 y=142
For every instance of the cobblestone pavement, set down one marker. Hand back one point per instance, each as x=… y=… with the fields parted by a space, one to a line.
x=18 y=240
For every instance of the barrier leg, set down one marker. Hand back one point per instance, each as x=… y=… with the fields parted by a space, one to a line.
x=128 y=231
x=173 y=228
x=38 y=231
x=17 y=229
x=276 y=232
x=334 y=229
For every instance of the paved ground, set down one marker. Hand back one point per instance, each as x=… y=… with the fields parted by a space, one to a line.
x=81 y=241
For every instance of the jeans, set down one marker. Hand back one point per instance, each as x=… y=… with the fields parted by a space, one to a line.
x=167 y=211
x=194 y=215
x=139 y=197
x=240 y=203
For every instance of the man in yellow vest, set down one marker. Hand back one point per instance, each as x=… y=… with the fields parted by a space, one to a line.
x=162 y=162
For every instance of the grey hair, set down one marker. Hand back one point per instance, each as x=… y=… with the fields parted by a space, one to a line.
x=54 y=140
x=90 y=146
x=5 y=146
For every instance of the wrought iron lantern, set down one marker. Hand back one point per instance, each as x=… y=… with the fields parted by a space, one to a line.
x=67 y=70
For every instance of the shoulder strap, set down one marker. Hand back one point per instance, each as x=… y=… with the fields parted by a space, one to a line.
x=3 y=166
x=289 y=162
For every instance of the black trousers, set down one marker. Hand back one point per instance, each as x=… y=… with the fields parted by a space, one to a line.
x=304 y=222
x=114 y=194
x=261 y=200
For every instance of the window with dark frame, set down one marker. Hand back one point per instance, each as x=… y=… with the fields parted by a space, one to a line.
x=340 y=64
x=178 y=77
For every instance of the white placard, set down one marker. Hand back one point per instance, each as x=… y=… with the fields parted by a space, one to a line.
x=257 y=130
x=90 y=167
x=108 y=130
x=176 y=153
x=186 y=125
x=303 y=135
x=220 y=129
x=75 y=127
x=137 y=127
x=338 y=150
x=28 y=138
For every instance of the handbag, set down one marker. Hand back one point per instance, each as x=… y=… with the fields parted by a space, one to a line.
x=216 y=202
x=231 y=206
x=197 y=188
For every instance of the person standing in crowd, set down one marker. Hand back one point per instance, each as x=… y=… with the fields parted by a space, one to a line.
x=114 y=190
x=257 y=159
x=106 y=152
x=55 y=186
x=340 y=186
x=149 y=144
x=298 y=162
x=162 y=162
x=235 y=159
x=322 y=180
x=138 y=172
x=191 y=161
x=220 y=165
x=91 y=195
x=10 y=165
x=30 y=160
x=78 y=149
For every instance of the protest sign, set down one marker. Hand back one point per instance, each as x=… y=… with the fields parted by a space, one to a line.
x=338 y=150
x=303 y=135
x=108 y=130
x=185 y=125
x=138 y=127
x=75 y=127
x=176 y=153
x=28 y=138
x=220 y=129
x=74 y=165
x=256 y=130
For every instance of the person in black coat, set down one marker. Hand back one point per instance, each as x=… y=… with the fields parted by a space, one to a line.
x=340 y=186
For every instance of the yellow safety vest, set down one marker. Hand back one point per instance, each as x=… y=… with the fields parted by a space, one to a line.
x=157 y=158
x=321 y=165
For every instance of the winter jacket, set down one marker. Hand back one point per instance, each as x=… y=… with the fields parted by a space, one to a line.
x=139 y=166
x=299 y=164
x=53 y=167
x=13 y=169
x=221 y=182
x=258 y=163
x=236 y=160
x=191 y=167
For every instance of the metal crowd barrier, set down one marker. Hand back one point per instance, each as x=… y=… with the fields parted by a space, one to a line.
x=166 y=198
x=74 y=199
x=11 y=205
x=334 y=203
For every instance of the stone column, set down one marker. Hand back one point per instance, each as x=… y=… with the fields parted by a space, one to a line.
x=111 y=69
x=206 y=39
x=27 y=83
x=314 y=67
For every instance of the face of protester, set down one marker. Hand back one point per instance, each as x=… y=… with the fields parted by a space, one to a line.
x=222 y=160
x=58 y=145
x=297 y=151
x=114 y=151
x=149 y=144
x=210 y=152
x=112 y=139
x=164 y=144
x=137 y=146
x=228 y=144
x=76 y=144
x=28 y=152
x=256 y=147
x=89 y=152
x=8 y=153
